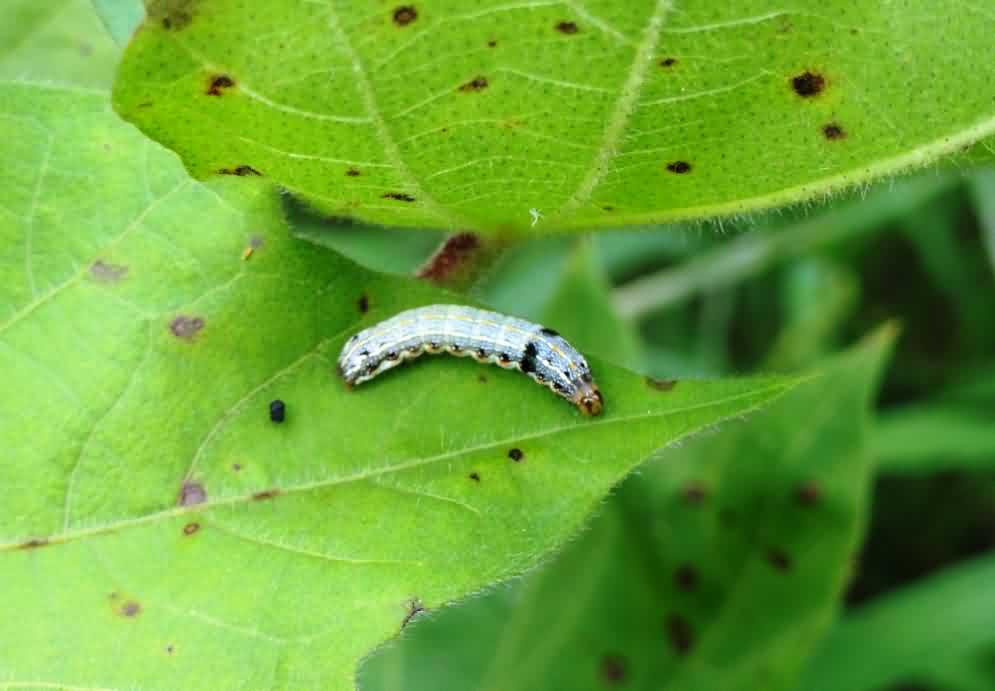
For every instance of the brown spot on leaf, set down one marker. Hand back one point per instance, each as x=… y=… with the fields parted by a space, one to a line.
x=399 y=196
x=415 y=608
x=679 y=634
x=475 y=476
x=240 y=171
x=695 y=494
x=453 y=254
x=191 y=528
x=661 y=384
x=186 y=327
x=482 y=378
x=169 y=649
x=613 y=668
x=236 y=467
x=172 y=15
x=475 y=84
x=353 y=173
x=131 y=608
x=567 y=27
x=265 y=494
x=492 y=43
x=405 y=14
x=686 y=577
x=34 y=543
x=808 y=84
x=668 y=62
x=191 y=494
x=779 y=559
x=217 y=84
x=516 y=455
x=679 y=167
x=808 y=494
x=833 y=131
x=108 y=273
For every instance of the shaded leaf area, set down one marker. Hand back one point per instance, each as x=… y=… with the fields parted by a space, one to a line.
x=541 y=116
x=938 y=634
x=752 y=529
x=120 y=17
x=150 y=505
x=56 y=40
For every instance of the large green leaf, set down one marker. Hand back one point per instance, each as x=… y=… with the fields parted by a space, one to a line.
x=938 y=633
x=441 y=114
x=156 y=529
x=55 y=40
x=718 y=567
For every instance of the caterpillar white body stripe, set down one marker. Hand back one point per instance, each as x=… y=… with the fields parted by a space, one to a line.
x=506 y=341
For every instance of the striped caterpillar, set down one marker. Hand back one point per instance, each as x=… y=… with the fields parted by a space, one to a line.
x=506 y=341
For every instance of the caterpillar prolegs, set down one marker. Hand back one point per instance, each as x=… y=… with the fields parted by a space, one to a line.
x=508 y=342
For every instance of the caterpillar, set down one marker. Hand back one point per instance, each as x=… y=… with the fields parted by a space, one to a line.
x=508 y=342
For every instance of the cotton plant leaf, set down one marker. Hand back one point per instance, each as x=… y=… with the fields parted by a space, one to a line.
x=935 y=633
x=544 y=116
x=718 y=566
x=157 y=529
x=58 y=41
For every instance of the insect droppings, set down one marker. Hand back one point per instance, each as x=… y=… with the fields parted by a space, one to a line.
x=277 y=411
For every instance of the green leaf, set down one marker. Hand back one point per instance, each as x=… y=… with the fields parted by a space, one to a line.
x=156 y=528
x=121 y=17
x=583 y=311
x=955 y=430
x=718 y=566
x=533 y=117
x=56 y=40
x=935 y=633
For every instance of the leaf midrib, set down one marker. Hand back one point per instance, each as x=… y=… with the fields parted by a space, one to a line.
x=399 y=467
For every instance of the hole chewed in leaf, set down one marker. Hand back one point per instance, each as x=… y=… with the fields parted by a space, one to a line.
x=191 y=494
x=475 y=476
x=218 y=83
x=363 y=303
x=492 y=43
x=613 y=668
x=107 y=273
x=399 y=196
x=353 y=172
x=679 y=167
x=516 y=455
x=679 y=634
x=568 y=28
x=475 y=84
x=186 y=327
x=808 y=84
x=405 y=14
x=668 y=62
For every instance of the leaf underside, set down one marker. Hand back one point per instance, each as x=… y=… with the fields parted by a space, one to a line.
x=542 y=116
x=156 y=528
